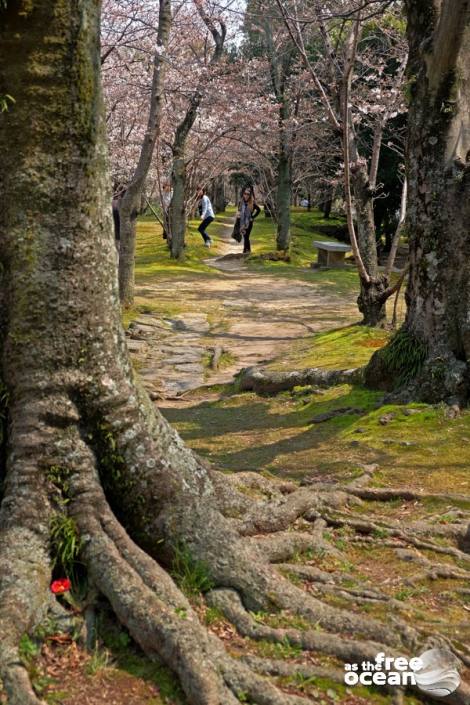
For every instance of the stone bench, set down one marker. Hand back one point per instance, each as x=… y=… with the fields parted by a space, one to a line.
x=331 y=254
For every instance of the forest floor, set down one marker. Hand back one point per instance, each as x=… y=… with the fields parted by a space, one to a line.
x=194 y=326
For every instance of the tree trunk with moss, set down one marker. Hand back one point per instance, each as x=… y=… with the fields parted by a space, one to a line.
x=438 y=216
x=84 y=442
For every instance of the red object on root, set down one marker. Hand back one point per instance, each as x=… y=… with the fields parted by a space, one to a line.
x=60 y=586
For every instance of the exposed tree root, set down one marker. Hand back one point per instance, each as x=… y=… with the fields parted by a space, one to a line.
x=284 y=545
x=158 y=616
x=280 y=513
x=238 y=527
x=229 y=603
x=261 y=381
x=309 y=573
x=367 y=527
x=380 y=494
x=270 y=487
x=433 y=570
x=359 y=596
x=277 y=667
x=24 y=587
x=25 y=566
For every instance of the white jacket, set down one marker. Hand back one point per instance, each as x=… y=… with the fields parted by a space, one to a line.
x=207 y=210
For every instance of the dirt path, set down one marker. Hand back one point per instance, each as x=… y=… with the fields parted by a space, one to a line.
x=246 y=317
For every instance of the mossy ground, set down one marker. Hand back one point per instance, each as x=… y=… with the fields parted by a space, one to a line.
x=424 y=451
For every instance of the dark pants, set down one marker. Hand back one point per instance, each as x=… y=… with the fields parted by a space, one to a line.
x=117 y=222
x=202 y=227
x=246 y=238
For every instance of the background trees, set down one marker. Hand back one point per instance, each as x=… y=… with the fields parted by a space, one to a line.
x=267 y=36
x=283 y=87
x=131 y=201
x=346 y=63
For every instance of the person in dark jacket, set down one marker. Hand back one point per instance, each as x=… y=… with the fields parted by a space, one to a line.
x=248 y=210
x=117 y=197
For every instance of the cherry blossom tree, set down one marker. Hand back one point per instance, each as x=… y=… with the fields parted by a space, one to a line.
x=339 y=79
x=267 y=35
x=131 y=202
x=202 y=77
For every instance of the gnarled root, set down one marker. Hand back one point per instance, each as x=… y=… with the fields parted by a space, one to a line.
x=25 y=566
x=24 y=585
x=237 y=536
x=262 y=381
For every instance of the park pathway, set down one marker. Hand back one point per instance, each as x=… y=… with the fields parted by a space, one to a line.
x=237 y=318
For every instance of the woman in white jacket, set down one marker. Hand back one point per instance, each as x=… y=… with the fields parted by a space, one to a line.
x=207 y=215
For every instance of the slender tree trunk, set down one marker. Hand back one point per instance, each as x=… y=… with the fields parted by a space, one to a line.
x=284 y=184
x=327 y=201
x=177 y=215
x=131 y=202
x=177 y=210
x=374 y=289
x=375 y=156
x=219 y=194
x=371 y=302
x=438 y=217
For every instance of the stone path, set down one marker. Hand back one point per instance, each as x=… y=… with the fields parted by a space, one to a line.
x=249 y=317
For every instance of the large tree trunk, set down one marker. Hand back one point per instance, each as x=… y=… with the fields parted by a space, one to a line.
x=85 y=441
x=438 y=218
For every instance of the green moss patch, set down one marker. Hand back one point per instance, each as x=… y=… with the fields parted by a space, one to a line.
x=342 y=348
